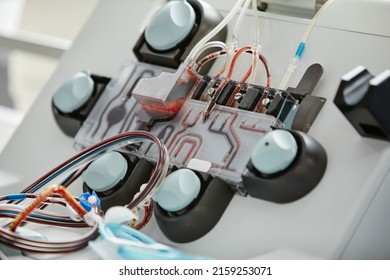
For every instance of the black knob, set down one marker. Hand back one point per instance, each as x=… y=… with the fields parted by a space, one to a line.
x=198 y=217
x=74 y=100
x=296 y=179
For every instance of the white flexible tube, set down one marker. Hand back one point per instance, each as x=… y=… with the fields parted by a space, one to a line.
x=294 y=62
x=314 y=21
x=232 y=46
x=212 y=44
x=256 y=48
x=254 y=66
x=216 y=29
x=256 y=23
x=292 y=66
x=239 y=21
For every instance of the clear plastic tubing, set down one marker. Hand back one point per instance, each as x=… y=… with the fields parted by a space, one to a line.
x=213 y=32
x=239 y=21
x=256 y=48
x=212 y=44
x=293 y=64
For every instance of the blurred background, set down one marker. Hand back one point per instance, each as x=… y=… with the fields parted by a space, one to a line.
x=33 y=36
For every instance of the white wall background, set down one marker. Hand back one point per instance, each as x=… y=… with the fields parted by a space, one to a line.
x=24 y=74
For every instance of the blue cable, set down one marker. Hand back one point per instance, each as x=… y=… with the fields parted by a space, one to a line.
x=134 y=253
x=129 y=233
x=38 y=216
x=16 y=196
x=59 y=172
x=301 y=48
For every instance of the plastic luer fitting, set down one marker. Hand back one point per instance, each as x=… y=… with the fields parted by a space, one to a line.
x=74 y=92
x=170 y=25
x=178 y=190
x=105 y=172
x=84 y=201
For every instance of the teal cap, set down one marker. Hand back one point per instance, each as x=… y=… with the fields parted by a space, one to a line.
x=105 y=172
x=170 y=25
x=274 y=152
x=178 y=190
x=74 y=92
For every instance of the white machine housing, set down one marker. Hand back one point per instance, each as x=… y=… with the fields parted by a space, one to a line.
x=344 y=217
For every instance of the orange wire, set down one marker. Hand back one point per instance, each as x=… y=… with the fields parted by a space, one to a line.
x=234 y=60
x=61 y=190
x=230 y=73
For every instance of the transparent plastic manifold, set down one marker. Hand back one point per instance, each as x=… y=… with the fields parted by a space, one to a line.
x=116 y=110
x=220 y=146
x=137 y=98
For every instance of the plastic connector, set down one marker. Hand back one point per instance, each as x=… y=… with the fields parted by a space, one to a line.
x=256 y=48
x=301 y=48
x=293 y=64
x=87 y=203
x=232 y=46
